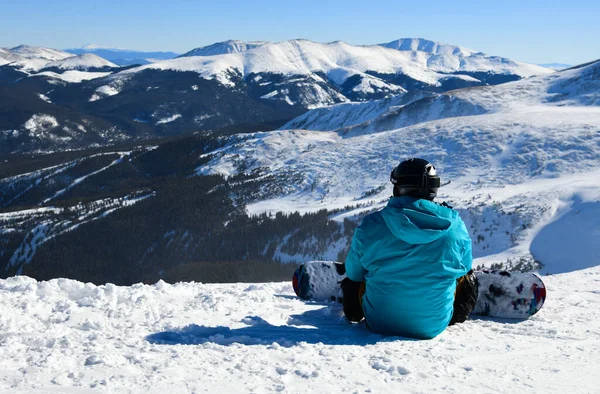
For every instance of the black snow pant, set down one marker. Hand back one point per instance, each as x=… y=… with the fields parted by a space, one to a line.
x=464 y=300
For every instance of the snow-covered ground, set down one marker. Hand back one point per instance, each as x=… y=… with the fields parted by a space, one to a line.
x=64 y=336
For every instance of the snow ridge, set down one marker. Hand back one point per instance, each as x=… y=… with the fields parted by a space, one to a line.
x=221 y=48
x=303 y=57
x=38 y=61
x=81 y=62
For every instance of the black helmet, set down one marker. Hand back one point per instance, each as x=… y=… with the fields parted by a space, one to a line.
x=415 y=178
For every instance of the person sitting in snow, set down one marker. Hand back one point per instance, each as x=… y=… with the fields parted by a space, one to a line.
x=409 y=265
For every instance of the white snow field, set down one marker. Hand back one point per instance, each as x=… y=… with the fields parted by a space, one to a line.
x=64 y=336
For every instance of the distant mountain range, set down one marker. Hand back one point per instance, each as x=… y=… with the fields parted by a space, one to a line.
x=123 y=57
x=51 y=96
x=556 y=66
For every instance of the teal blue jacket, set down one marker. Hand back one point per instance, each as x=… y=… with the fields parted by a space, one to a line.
x=409 y=254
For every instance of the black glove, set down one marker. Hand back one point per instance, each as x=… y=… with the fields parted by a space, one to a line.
x=351 y=301
x=467 y=289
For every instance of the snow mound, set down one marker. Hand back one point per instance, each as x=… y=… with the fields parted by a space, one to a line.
x=67 y=336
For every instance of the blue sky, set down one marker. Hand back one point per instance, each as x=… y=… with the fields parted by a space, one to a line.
x=527 y=30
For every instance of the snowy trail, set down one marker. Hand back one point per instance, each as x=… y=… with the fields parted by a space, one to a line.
x=64 y=336
x=83 y=178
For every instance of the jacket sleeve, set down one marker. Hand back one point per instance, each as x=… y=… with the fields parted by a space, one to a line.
x=354 y=268
x=467 y=249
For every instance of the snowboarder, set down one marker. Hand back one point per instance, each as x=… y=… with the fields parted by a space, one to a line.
x=409 y=265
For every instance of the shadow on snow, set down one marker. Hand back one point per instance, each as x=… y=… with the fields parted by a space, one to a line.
x=314 y=326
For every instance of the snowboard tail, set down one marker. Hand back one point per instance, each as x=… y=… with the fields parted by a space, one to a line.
x=502 y=294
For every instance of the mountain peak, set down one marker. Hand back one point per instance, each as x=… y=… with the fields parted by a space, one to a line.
x=84 y=61
x=427 y=46
x=224 y=47
x=33 y=52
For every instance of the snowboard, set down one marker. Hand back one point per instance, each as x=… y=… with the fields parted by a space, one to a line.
x=502 y=294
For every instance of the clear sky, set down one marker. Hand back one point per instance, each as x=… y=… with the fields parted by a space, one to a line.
x=527 y=30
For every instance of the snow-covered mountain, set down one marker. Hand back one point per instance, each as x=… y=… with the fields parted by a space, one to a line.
x=520 y=156
x=82 y=62
x=221 y=48
x=68 y=336
x=257 y=83
x=450 y=58
x=31 y=60
x=123 y=57
x=574 y=87
x=339 y=62
x=32 y=52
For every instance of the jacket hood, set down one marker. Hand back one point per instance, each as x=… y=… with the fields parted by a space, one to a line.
x=417 y=221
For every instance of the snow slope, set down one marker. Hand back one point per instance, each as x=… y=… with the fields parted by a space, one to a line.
x=516 y=154
x=342 y=115
x=578 y=86
x=69 y=337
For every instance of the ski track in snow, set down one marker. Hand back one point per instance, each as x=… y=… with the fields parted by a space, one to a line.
x=83 y=178
x=68 y=337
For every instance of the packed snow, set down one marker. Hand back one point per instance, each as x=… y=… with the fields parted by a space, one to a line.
x=66 y=336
